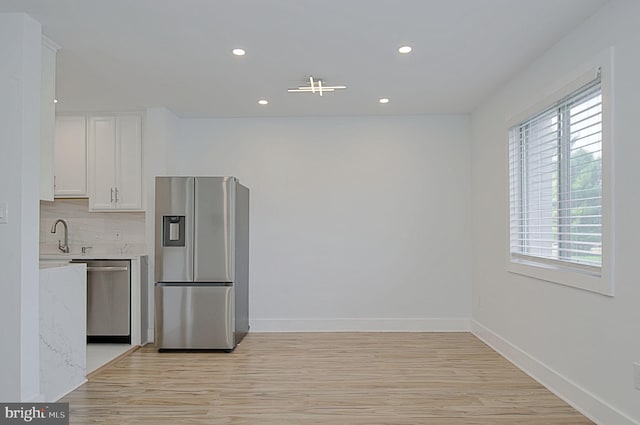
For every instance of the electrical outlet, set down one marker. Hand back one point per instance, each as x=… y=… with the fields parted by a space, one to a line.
x=636 y=375
x=117 y=235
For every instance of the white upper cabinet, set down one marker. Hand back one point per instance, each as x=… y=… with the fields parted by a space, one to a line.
x=47 y=117
x=129 y=164
x=102 y=148
x=115 y=163
x=70 y=165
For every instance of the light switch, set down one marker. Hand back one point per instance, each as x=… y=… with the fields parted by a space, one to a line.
x=4 y=214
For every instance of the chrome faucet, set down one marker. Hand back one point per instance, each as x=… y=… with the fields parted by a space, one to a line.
x=64 y=248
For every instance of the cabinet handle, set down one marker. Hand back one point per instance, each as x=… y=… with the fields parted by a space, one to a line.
x=111 y=195
x=117 y=195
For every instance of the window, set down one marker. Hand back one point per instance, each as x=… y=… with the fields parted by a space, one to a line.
x=556 y=189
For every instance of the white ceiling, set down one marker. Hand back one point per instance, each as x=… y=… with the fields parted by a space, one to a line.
x=132 y=54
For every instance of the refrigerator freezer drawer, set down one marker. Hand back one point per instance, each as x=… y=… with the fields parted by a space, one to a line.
x=194 y=317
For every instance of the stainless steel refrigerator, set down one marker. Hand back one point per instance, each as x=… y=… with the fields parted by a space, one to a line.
x=201 y=263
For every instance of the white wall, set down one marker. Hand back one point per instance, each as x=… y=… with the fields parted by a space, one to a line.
x=20 y=50
x=578 y=343
x=161 y=130
x=356 y=223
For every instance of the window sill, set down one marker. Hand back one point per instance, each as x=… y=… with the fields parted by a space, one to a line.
x=602 y=284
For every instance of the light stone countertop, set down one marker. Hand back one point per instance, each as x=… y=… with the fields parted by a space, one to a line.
x=62 y=257
x=51 y=264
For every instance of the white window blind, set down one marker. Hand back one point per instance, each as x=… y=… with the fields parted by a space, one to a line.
x=555 y=173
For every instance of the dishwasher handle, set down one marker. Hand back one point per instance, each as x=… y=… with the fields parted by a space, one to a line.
x=107 y=269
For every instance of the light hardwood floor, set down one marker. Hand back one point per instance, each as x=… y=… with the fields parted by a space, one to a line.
x=322 y=378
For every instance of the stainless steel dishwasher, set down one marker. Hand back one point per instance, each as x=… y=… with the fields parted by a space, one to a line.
x=108 y=300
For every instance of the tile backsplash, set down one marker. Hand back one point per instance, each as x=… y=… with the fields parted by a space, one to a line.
x=96 y=230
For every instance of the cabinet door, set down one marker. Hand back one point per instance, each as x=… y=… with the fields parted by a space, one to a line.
x=102 y=148
x=70 y=157
x=129 y=162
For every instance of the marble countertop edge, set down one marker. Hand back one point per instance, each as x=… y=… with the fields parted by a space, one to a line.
x=89 y=256
x=51 y=264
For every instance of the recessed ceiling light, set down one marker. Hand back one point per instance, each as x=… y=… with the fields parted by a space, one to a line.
x=384 y=100
x=55 y=100
x=404 y=49
x=263 y=102
x=238 y=52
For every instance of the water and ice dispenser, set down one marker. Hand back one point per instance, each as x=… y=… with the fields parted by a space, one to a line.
x=173 y=230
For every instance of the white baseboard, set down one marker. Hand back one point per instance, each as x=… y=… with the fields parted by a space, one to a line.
x=579 y=398
x=360 y=325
